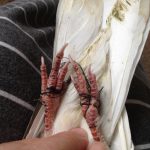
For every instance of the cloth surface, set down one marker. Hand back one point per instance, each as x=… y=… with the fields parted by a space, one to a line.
x=138 y=109
x=27 y=31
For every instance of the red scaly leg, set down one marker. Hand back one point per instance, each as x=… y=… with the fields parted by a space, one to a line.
x=92 y=112
x=44 y=97
x=61 y=77
x=80 y=85
x=89 y=97
x=93 y=84
x=54 y=102
x=52 y=81
x=51 y=95
x=43 y=75
x=43 y=79
x=82 y=88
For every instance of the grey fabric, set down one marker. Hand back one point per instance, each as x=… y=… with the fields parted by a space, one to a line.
x=26 y=33
x=138 y=107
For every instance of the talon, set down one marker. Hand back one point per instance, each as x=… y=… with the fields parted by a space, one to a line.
x=89 y=99
x=51 y=88
x=82 y=85
x=43 y=80
x=43 y=76
x=52 y=81
x=61 y=76
x=75 y=83
x=92 y=79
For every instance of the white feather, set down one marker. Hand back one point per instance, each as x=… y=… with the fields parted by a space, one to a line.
x=111 y=40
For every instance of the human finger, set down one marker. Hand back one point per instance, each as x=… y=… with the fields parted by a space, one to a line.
x=70 y=140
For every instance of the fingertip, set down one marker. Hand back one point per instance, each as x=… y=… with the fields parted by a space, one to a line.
x=75 y=139
x=82 y=135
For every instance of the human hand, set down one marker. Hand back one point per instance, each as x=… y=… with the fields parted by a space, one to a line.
x=75 y=139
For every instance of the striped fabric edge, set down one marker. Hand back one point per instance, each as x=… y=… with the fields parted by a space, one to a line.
x=9 y=47
x=142 y=147
x=34 y=41
x=16 y=100
x=137 y=102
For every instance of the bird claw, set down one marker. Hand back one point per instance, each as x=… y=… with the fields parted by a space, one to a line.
x=89 y=96
x=53 y=87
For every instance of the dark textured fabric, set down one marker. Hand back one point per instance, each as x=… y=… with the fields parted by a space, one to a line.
x=26 y=33
x=138 y=108
x=13 y=120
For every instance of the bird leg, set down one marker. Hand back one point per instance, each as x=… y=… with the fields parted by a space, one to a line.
x=52 y=88
x=89 y=97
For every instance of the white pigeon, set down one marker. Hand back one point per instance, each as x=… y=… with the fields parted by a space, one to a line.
x=110 y=36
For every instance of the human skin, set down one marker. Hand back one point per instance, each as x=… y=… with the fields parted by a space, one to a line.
x=75 y=139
